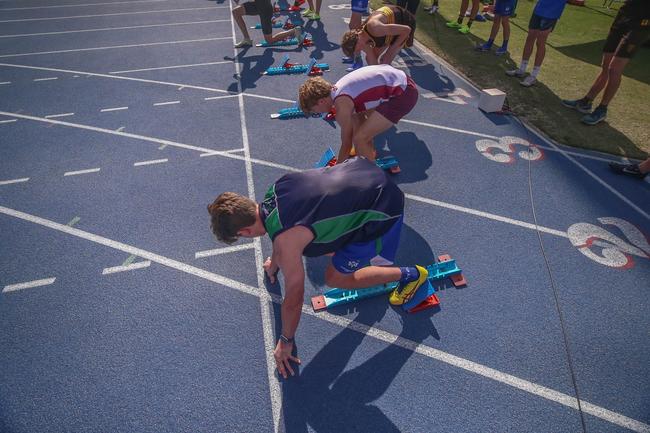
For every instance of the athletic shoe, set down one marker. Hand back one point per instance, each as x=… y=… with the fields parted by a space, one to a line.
x=346 y=59
x=582 y=105
x=596 y=116
x=528 y=81
x=516 y=73
x=484 y=48
x=501 y=51
x=403 y=293
x=244 y=43
x=453 y=25
x=631 y=170
x=307 y=12
x=358 y=63
x=464 y=29
x=432 y=10
x=479 y=18
x=313 y=17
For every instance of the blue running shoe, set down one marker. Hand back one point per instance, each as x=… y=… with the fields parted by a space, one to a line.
x=596 y=116
x=484 y=48
x=501 y=51
x=582 y=105
x=346 y=59
x=358 y=63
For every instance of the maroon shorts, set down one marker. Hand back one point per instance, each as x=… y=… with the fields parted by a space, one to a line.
x=396 y=108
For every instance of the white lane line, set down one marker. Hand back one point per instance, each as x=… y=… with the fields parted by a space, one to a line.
x=106 y=110
x=212 y=152
x=80 y=5
x=220 y=151
x=105 y=29
x=171 y=67
x=46 y=79
x=28 y=285
x=455 y=361
x=212 y=98
x=5 y=82
x=36 y=53
x=219 y=251
x=150 y=139
x=266 y=305
x=53 y=116
x=74 y=173
x=150 y=162
x=158 y=104
x=9 y=182
x=124 y=268
x=109 y=15
x=8 y=121
x=487 y=215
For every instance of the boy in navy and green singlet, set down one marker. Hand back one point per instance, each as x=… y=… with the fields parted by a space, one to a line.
x=352 y=211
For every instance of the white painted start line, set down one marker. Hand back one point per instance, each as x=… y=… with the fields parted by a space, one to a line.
x=5 y=82
x=9 y=182
x=54 y=116
x=77 y=50
x=107 y=110
x=126 y=268
x=110 y=15
x=86 y=171
x=150 y=162
x=81 y=5
x=226 y=250
x=28 y=285
x=387 y=337
x=106 y=29
x=8 y=121
x=158 y=104
x=173 y=67
x=46 y=79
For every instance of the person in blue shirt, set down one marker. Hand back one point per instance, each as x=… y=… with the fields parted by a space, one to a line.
x=541 y=24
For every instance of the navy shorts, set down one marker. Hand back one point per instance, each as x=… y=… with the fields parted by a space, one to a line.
x=380 y=252
x=504 y=8
x=541 y=23
x=626 y=35
x=359 y=6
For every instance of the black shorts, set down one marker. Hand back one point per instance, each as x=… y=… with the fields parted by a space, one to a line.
x=626 y=35
x=264 y=9
x=541 y=23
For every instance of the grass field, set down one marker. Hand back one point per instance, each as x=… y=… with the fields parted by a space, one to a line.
x=572 y=61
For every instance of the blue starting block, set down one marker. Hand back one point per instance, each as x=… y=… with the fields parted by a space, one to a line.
x=445 y=267
x=288 y=68
x=275 y=25
x=292 y=113
x=388 y=163
x=286 y=42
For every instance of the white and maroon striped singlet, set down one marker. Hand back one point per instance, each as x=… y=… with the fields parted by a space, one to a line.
x=370 y=86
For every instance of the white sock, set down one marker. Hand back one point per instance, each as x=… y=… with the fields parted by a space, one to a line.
x=523 y=65
x=535 y=71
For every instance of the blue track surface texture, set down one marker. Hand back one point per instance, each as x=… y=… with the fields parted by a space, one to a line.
x=120 y=121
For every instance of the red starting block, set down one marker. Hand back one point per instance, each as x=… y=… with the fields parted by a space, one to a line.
x=331 y=116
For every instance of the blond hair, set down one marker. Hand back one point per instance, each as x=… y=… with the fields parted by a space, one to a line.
x=312 y=91
x=349 y=42
x=231 y=212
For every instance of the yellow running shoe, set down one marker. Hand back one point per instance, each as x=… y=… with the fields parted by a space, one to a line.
x=401 y=295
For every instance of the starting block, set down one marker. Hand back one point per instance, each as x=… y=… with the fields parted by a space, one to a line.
x=284 y=43
x=387 y=163
x=423 y=298
x=310 y=69
x=292 y=113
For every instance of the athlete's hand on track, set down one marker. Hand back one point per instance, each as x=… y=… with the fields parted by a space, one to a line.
x=271 y=269
x=282 y=355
